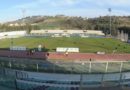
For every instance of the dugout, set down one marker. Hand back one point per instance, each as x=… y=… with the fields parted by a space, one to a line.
x=124 y=34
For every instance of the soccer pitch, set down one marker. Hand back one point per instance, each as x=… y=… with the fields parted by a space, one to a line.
x=86 y=45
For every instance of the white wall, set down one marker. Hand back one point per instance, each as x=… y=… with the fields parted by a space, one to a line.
x=67 y=32
x=18 y=48
x=12 y=34
x=67 y=49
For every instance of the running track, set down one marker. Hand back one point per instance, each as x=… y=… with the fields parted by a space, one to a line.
x=62 y=56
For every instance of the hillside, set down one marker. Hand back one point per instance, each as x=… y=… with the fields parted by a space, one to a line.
x=66 y=22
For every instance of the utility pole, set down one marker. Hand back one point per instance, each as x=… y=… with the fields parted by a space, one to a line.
x=109 y=10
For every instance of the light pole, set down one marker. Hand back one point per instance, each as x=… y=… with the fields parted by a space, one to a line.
x=81 y=78
x=23 y=13
x=23 y=16
x=109 y=10
x=12 y=42
x=37 y=67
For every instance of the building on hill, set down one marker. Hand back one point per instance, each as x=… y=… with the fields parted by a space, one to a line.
x=68 y=33
x=124 y=34
x=16 y=24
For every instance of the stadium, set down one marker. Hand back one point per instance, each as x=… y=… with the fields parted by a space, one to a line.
x=28 y=64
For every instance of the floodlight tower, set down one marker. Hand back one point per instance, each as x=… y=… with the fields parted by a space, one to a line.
x=110 y=10
x=23 y=15
x=12 y=42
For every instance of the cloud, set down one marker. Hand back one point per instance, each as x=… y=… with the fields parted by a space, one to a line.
x=118 y=2
x=110 y=2
x=94 y=12
x=119 y=7
x=63 y=2
x=51 y=3
x=28 y=5
x=85 y=8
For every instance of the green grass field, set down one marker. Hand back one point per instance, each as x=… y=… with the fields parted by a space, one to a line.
x=87 y=45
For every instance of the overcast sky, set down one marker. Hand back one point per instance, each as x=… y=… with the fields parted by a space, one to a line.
x=12 y=9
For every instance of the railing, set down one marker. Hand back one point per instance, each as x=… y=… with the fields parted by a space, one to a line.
x=72 y=67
